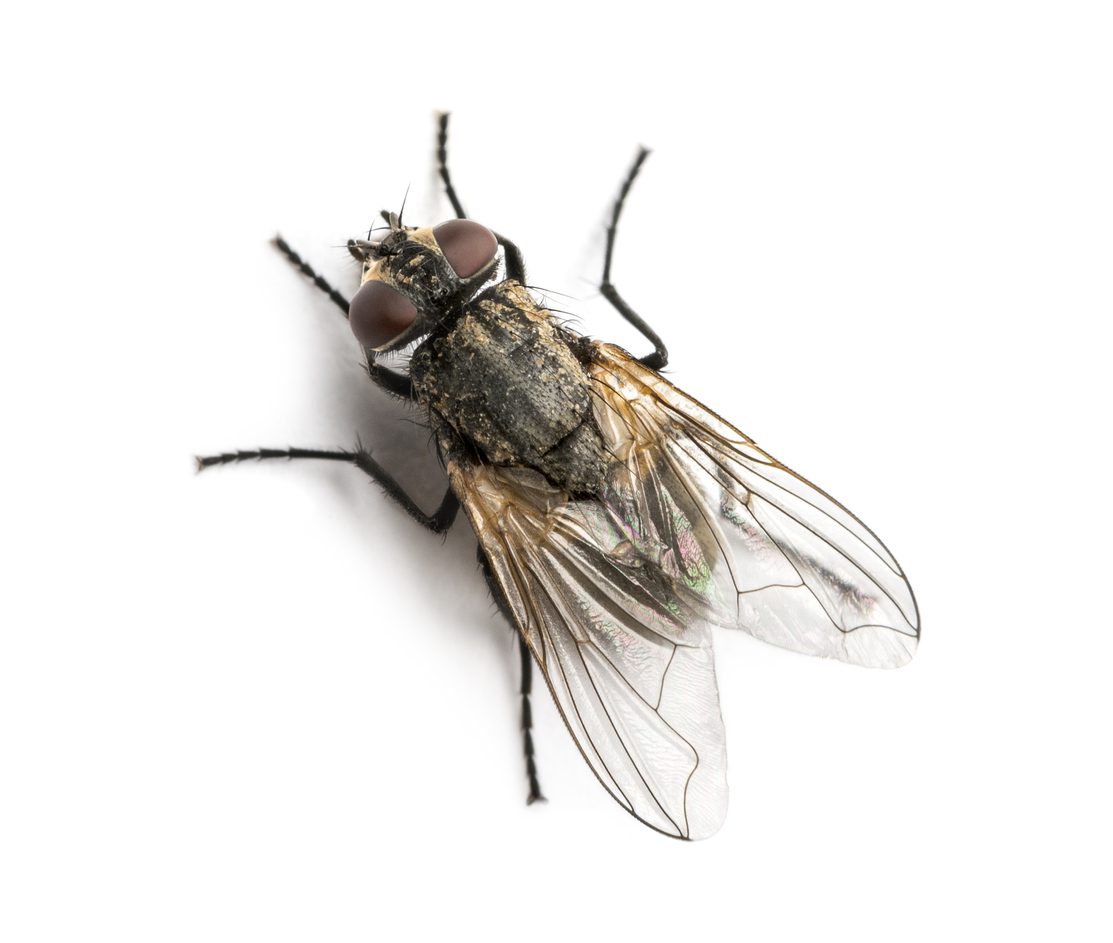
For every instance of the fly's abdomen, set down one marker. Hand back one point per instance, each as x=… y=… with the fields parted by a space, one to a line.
x=507 y=381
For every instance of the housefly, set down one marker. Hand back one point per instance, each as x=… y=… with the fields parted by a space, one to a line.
x=618 y=519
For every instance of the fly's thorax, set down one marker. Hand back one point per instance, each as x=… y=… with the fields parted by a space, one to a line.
x=507 y=380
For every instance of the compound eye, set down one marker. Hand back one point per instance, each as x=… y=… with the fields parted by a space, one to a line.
x=380 y=314
x=468 y=246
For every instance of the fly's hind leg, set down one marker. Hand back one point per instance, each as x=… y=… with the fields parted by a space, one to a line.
x=512 y=255
x=390 y=380
x=438 y=522
x=660 y=356
x=526 y=661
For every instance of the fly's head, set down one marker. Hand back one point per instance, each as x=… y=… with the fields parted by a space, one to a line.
x=412 y=278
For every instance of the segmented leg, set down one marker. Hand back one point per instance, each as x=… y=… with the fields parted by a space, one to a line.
x=525 y=690
x=660 y=355
x=390 y=380
x=318 y=280
x=526 y=662
x=442 y=166
x=515 y=264
x=438 y=522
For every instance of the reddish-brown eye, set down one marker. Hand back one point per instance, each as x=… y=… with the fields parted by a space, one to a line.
x=468 y=246
x=378 y=314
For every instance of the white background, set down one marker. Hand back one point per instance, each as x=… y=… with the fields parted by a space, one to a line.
x=260 y=704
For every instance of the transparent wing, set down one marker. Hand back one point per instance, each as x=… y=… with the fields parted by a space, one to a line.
x=622 y=648
x=615 y=595
x=776 y=556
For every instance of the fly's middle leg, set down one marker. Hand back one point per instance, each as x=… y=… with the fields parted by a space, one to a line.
x=438 y=522
x=660 y=356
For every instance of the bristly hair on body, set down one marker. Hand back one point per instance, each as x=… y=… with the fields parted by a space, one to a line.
x=618 y=519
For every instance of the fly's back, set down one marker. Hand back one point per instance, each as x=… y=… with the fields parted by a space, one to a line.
x=505 y=378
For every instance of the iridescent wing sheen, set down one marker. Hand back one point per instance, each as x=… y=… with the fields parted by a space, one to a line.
x=788 y=563
x=622 y=648
x=615 y=595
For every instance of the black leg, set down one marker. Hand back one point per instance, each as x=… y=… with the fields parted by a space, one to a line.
x=438 y=522
x=660 y=356
x=302 y=266
x=515 y=264
x=526 y=660
x=527 y=721
x=390 y=380
x=442 y=166
x=512 y=255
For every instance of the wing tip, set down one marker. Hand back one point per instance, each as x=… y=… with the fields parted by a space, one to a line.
x=878 y=646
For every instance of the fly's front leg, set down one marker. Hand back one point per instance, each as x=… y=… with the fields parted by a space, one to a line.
x=318 y=280
x=660 y=356
x=442 y=166
x=438 y=522
x=512 y=255
x=393 y=382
